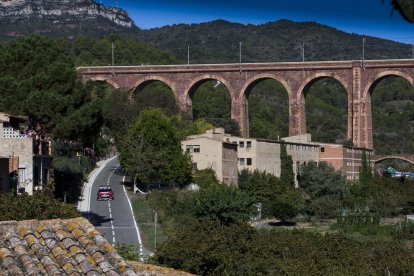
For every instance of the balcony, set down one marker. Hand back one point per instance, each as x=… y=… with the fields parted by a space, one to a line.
x=9 y=132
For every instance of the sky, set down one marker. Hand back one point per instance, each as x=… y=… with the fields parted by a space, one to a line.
x=365 y=17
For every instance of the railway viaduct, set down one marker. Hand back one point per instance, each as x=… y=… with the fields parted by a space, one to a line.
x=359 y=78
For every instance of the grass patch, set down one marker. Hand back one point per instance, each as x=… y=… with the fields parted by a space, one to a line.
x=145 y=220
x=365 y=233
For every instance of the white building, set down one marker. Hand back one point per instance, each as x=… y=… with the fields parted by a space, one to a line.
x=28 y=156
x=212 y=151
x=252 y=154
x=264 y=155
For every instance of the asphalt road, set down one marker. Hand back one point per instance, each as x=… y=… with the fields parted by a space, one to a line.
x=114 y=218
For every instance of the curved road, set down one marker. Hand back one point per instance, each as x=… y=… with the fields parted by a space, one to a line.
x=114 y=219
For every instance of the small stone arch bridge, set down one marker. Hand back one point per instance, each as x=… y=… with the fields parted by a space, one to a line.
x=358 y=78
x=379 y=158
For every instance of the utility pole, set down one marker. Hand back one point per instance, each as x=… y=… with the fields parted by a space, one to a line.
x=113 y=59
x=240 y=49
x=155 y=228
x=188 y=54
x=240 y=55
x=363 y=53
x=303 y=51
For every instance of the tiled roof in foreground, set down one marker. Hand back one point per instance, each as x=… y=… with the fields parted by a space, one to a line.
x=59 y=247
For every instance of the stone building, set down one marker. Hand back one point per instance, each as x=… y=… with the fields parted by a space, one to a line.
x=212 y=151
x=29 y=156
x=264 y=155
x=347 y=159
x=214 y=148
x=344 y=158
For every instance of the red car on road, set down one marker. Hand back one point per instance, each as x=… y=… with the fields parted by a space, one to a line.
x=105 y=192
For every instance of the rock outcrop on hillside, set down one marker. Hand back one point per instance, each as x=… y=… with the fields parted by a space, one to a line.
x=67 y=17
x=40 y=8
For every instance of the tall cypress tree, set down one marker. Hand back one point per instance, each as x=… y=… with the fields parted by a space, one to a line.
x=286 y=167
x=365 y=173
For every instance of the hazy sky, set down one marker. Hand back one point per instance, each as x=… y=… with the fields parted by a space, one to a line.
x=366 y=17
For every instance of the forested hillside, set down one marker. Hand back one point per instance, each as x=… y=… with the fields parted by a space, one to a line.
x=218 y=42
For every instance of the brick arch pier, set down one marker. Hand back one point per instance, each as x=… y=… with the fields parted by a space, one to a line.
x=357 y=77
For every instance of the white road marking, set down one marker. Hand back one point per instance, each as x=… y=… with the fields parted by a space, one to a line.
x=110 y=211
x=135 y=222
x=118 y=226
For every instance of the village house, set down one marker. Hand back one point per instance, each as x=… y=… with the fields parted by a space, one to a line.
x=25 y=157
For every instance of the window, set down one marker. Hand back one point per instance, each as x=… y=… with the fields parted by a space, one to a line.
x=196 y=148
x=241 y=144
x=192 y=148
x=241 y=161
x=248 y=144
x=322 y=149
x=22 y=175
x=249 y=161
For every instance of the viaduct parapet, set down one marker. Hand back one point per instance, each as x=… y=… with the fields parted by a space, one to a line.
x=359 y=78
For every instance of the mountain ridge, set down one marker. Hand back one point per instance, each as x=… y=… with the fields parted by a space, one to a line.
x=218 y=42
x=64 y=17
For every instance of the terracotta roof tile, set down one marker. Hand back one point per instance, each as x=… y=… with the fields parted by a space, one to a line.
x=56 y=247
x=63 y=247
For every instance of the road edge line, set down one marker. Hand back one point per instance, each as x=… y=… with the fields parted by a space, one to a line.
x=86 y=189
x=135 y=221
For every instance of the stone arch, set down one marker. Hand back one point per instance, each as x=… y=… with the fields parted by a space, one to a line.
x=367 y=130
x=108 y=80
x=148 y=79
x=299 y=102
x=193 y=85
x=380 y=76
x=315 y=77
x=242 y=100
x=393 y=157
x=254 y=80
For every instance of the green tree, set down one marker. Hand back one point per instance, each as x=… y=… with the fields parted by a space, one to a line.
x=39 y=206
x=205 y=178
x=325 y=186
x=283 y=211
x=151 y=151
x=365 y=173
x=224 y=204
x=321 y=179
x=406 y=9
x=268 y=190
x=286 y=167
